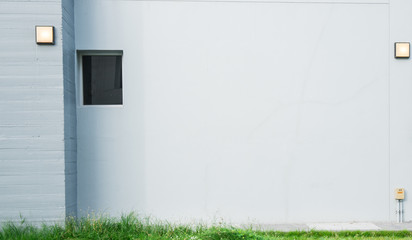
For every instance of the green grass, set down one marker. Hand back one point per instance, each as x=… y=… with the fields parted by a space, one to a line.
x=131 y=227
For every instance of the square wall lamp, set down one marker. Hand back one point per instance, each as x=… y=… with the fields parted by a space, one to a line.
x=402 y=50
x=44 y=34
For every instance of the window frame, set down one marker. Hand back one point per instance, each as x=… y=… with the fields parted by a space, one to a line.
x=80 y=93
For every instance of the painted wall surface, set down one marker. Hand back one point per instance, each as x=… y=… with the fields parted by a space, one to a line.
x=32 y=115
x=70 y=119
x=400 y=107
x=266 y=111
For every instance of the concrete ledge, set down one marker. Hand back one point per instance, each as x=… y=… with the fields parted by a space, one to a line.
x=352 y=226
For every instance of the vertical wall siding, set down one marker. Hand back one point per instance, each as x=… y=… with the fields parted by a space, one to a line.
x=32 y=146
x=69 y=106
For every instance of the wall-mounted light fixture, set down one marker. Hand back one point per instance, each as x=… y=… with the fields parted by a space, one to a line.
x=402 y=50
x=44 y=34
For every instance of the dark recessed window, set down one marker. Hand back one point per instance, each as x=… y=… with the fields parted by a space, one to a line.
x=102 y=80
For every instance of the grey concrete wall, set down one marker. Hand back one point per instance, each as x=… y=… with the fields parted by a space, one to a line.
x=250 y=111
x=70 y=120
x=400 y=107
x=271 y=111
x=34 y=139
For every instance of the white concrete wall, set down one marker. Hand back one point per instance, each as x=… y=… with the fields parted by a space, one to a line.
x=31 y=113
x=266 y=111
x=400 y=107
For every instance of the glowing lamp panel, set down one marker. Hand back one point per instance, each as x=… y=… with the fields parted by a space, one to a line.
x=402 y=50
x=44 y=35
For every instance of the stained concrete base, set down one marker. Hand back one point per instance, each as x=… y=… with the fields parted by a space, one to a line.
x=354 y=226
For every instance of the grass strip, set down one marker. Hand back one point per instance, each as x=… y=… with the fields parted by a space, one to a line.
x=132 y=227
